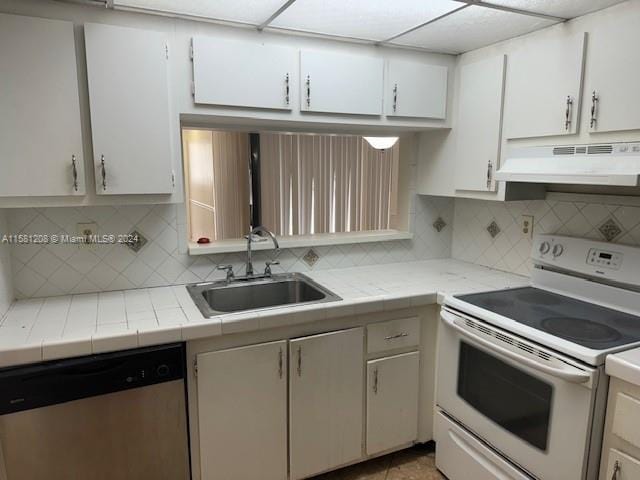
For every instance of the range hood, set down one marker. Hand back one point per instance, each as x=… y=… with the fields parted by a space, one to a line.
x=611 y=164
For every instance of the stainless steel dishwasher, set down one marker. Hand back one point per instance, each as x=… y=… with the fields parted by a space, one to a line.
x=114 y=416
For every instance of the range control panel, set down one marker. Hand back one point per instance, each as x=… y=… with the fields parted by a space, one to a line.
x=619 y=263
x=604 y=258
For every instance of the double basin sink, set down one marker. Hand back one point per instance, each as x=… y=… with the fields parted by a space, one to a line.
x=246 y=294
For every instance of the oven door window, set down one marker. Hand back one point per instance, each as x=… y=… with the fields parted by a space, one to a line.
x=508 y=396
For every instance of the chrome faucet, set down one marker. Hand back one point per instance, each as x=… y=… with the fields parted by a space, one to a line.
x=260 y=228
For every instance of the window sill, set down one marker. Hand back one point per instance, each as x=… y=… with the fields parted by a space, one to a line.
x=240 y=245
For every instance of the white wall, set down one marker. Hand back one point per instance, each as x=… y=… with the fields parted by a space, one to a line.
x=562 y=214
x=6 y=280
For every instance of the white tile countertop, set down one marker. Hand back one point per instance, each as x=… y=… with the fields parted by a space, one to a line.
x=73 y=325
x=625 y=366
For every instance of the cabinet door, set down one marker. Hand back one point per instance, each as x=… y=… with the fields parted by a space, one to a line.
x=340 y=83
x=415 y=90
x=40 y=132
x=392 y=402
x=242 y=413
x=326 y=404
x=129 y=99
x=479 y=124
x=243 y=74
x=544 y=87
x=613 y=68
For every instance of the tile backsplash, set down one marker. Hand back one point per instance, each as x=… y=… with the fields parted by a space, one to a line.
x=510 y=249
x=6 y=287
x=48 y=270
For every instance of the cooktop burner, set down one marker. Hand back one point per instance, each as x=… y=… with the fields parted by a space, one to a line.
x=584 y=323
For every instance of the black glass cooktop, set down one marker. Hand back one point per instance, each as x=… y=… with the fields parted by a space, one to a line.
x=584 y=323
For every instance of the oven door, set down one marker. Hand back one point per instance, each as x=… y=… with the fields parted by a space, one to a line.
x=529 y=403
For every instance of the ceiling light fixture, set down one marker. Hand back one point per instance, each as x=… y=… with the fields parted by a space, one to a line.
x=381 y=143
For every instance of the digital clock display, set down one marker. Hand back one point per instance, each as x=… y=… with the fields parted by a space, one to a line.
x=605 y=256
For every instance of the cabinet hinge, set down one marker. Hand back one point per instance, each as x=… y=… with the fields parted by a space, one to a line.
x=191 y=50
x=193 y=89
x=173 y=179
x=195 y=368
x=166 y=50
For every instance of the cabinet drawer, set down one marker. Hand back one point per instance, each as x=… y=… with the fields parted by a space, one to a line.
x=401 y=333
x=624 y=466
x=627 y=409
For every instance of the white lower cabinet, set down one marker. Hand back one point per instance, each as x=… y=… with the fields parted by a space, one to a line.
x=392 y=402
x=326 y=407
x=242 y=413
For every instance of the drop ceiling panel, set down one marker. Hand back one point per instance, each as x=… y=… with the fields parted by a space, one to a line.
x=245 y=11
x=365 y=19
x=558 y=8
x=471 y=28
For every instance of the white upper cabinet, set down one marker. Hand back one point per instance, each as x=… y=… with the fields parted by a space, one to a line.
x=544 y=86
x=243 y=74
x=478 y=125
x=326 y=401
x=415 y=90
x=613 y=69
x=40 y=131
x=242 y=410
x=333 y=82
x=127 y=71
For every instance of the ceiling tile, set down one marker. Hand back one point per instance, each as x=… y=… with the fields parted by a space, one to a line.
x=245 y=11
x=558 y=8
x=471 y=28
x=365 y=19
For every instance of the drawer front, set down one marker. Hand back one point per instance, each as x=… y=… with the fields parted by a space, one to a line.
x=625 y=426
x=622 y=467
x=394 y=334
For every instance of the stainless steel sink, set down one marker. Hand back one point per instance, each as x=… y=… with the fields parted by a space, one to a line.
x=242 y=294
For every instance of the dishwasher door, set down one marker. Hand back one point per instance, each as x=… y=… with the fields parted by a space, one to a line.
x=136 y=433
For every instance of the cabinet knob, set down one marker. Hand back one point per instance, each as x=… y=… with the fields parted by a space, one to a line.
x=395 y=97
x=280 y=363
x=104 y=172
x=594 y=111
x=286 y=83
x=375 y=381
x=299 y=361
x=567 y=113
x=74 y=172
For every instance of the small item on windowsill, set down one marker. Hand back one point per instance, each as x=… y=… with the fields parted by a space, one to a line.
x=203 y=240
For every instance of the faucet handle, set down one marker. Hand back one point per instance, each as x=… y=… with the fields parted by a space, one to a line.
x=228 y=269
x=267 y=266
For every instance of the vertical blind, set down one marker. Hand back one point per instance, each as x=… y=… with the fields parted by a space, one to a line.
x=217 y=171
x=326 y=184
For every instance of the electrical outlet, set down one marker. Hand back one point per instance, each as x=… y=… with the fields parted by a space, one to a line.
x=527 y=225
x=88 y=231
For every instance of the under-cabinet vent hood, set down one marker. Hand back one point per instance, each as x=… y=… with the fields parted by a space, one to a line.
x=612 y=164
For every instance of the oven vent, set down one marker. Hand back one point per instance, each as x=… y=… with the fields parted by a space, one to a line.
x=599 y=149
x=508 y=340
x=581 y=150
x=564 y=150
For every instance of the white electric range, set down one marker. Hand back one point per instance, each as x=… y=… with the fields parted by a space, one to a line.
x=521 y=390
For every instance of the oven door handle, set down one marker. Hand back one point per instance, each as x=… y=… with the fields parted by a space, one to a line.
x=570 y=376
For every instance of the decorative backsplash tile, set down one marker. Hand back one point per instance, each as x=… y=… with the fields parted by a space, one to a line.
x=47 y=270
x=510 y=250
x=439 y=224
x=493 y=229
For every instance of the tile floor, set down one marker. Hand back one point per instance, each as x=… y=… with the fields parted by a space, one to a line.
x=416 y=463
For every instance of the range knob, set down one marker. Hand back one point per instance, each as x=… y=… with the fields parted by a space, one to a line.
x=162 y=371
x=557 y=250
x=545 y=247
